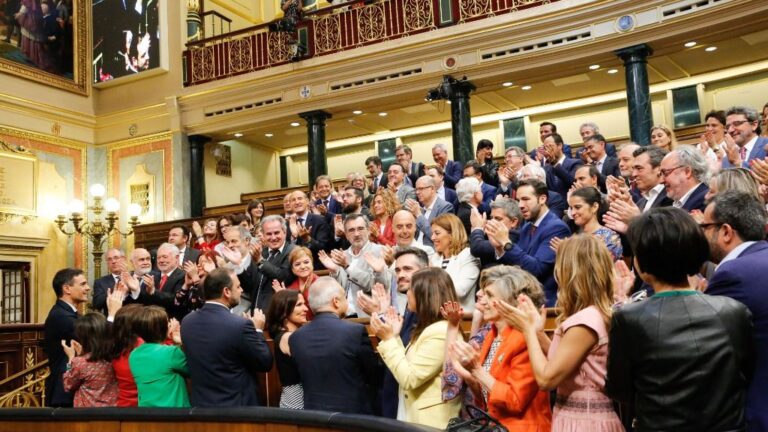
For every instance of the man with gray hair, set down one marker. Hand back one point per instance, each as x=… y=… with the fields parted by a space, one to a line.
x=168 y=281
x=352 y=267
x=102 y=286
x=685 y=172
x=504 y=211
x=269 y=261
x=741 y=138
x=427 y=208
x=452 y=170
x=337 y=365
x=470 y=197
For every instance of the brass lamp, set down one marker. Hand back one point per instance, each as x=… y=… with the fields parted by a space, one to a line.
x=98 y=229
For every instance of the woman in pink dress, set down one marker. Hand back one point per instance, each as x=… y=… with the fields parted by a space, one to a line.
x=575 y=360
x=89 y=370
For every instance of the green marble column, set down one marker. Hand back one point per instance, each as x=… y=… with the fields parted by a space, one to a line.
x=317 y=161
x=638 y=92
x=461 y=119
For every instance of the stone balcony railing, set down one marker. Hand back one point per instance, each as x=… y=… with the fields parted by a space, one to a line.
x=330 y=30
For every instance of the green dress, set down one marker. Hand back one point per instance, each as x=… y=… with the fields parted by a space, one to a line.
x=159 y=371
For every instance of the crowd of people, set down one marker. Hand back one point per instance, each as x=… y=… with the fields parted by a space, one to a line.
x=652 y=254
x=43 y=29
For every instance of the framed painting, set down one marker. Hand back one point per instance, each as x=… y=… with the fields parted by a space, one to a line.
x=46 y=41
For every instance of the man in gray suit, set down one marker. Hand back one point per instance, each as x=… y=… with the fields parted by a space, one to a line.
x=396 y=183
x=431 y=207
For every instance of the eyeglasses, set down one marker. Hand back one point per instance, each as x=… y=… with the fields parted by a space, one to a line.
x=419 y=189
x=668 y=171
x=737 y=123
x=704 y=226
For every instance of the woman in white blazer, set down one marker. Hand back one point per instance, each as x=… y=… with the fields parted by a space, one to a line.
x=452 y=255
x=418 y=367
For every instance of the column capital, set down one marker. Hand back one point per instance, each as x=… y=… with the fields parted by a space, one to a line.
x=635 y=53
x=316 y=116
x=460 y=89
x=198 y=140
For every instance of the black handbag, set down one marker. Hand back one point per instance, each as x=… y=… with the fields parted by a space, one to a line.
x=480 y=421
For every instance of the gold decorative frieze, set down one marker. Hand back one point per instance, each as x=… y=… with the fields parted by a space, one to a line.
x=327 y=34
x=371 y=23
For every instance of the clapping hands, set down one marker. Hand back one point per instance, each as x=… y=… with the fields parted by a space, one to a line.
x=388 y=325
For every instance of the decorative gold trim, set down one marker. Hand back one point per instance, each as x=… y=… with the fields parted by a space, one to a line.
x=35 y=136
x=119 y=144
x=80 y=83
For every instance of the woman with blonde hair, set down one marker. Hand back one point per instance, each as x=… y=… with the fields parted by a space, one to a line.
x=740 y=179
x=303 y=268
x=662 y=136
x=575 y=360
x=452 y=255
x=385 y=205
x=418 y=366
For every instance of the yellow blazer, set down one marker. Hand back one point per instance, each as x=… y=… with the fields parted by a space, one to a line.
x=418 y=369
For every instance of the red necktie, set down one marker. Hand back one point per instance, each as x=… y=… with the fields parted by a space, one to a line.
x=163 y=280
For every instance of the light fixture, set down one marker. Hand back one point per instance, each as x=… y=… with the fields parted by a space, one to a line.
x=710 y=48
x=382 y=114
x=526 y=87
x=449 y=101
x=98 y=190
x=294 y=124
x=594 y=67
x=357 y=112
x=238 y=135
x=613 y=71
x=507 y=84
x=690 y=44
x=269 y=135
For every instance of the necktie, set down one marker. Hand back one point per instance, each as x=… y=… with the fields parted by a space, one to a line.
x=533 y=230
x=300 y=221
x=163 y=280
x=375 y=184
x=743 y=154
x=273 y=253
x=325 y=203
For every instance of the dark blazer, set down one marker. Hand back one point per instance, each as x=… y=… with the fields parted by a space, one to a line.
x=417 y=170
x=143 y=298
x=489 y=194
x=454 y=171
x=662 y=200
x=480 y=247
x=451 y=198
x=696 y=199
x=610 y=150
x=337 y=364
x=695 y=350
x=60 y=324
x=191 y=254
x=382 y=183
x=566 y=150
x=164 y=297
x=333 y=205
x=745 y=279
x=257 y=278
x=464 y=212
x=758 y=152
x=557 y=203
x=490 y=171
x=423 y=225
x=101 y=287
x=533 y=254
x=224 y=354
x=320 y=234
x=560 y=177
x=610 y=168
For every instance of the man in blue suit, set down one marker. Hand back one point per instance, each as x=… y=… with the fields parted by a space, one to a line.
x=684 y=171
x=427 y=209
x=452 y=170
x=225 y=352
x=337 y=365
x=734 y=222
x=741 y=124
x=560 y=168
x=503 y=210
x=472 y=169
x=446 y=194
x=532 y=252
x=324 y=191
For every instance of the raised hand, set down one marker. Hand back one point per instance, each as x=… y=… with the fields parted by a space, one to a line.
x=197 y=229
x=232 y=255
x=413 y=206
x=732 y=151
x=452 y=312
x=255 y=250
x=277 y=285
x=70 y=350
x=339 y=257
x=624 y=211
x=498 y=231
x=465 y=355
x=115 y=299
x=367 y=303
x=174 y=331
x=338 y=226
x=377 y=263
x=327 y=261
x=554 y=244
x=257 y=318
x=191 y=275
x=130 y=281
x=624 y=280
x=760 y=170
x=388 y=253
x=524 y=317
x=477 y=219
x=149 y=284
x=614 y=223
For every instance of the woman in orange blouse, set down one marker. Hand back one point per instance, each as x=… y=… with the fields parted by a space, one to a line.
x=501 y=369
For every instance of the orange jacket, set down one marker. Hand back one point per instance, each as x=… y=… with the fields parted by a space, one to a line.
x=515 y=399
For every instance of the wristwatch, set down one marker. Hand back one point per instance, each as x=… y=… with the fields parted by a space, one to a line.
x=507 y=246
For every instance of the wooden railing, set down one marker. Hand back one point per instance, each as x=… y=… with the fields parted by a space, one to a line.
x=330 y=30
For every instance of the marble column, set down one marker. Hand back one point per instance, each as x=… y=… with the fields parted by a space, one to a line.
x=461 y=119
x=194 y=21
x=317 y=163
x=197 y=173
x=638 y=93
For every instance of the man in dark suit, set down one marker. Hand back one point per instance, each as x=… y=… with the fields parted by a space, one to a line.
x=268 y=262
x=684 y=171
x=555 y=202
x=178 y=236
x=606 y=165
x=168 y=281
x=103 y=285
x=505 y=211
x=339 y=369
x=489 y=168
x=308 y=229
x=734 y=222
x=646 y=172
x=452 y=170
x=446 y=194
x=560 y=168
x=225 y=352
x=141 y=279
x=472 y=169
x=742 y=124
x=413 y=170
x=546 y=129
x=378 y=177
x=324 y=189
x=427 y=208
x=532 y=253
x=71 y=288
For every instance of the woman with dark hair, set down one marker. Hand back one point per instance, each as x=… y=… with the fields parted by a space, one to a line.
x=417 y=367
x=255 y=211
x=191 y=297
x=683 y=358
x=89 y=373
x=287 y=312
x=159 y=369
x=125 y=340
x=303 y=268
x=587 y=209
x=224 y=223
x=207 y=236
x=452 y=255
x=574 y=361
